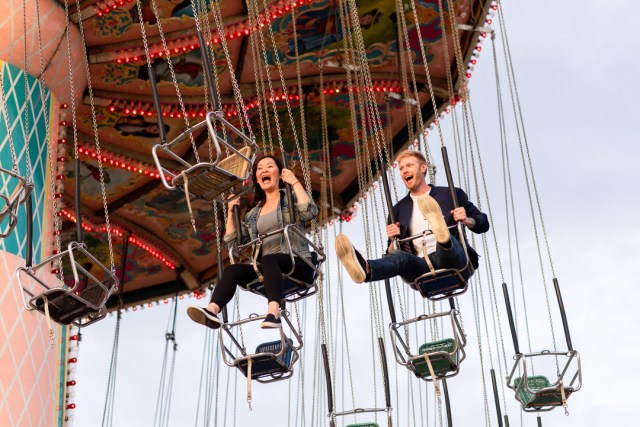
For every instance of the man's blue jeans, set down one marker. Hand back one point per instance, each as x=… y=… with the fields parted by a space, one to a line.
x=410 y=266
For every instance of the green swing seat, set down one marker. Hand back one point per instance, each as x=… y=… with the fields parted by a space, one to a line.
x=441 y=363
x=363 y=425
x=543 y=394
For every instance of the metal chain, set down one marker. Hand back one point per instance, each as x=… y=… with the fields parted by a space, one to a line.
x=50 y=157
x=401 y=20
x=217 y=16
x=476 y=314
x=263 y=113
x=303 y=124
x=27 y=96
x=167 y=55
x=276 y=55
x=72 y=90
x=517 y=107
x=253 y=11
x=216 y=79
x=97 y=140
x=205 y=86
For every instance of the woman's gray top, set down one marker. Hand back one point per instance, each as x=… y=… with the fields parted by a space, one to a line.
x=266 y=224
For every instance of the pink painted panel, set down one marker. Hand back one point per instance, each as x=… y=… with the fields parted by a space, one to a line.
x=28 y=369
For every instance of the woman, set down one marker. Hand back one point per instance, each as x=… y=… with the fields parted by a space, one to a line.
x=270 y=213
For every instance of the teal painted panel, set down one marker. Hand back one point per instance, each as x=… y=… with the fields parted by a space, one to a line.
x=27 y=121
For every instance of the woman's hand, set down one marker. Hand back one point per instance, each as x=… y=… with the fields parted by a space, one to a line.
x=288 y=177
x=232 y=203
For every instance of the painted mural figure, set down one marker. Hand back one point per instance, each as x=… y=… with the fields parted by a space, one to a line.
x=270 y=213
x=319 y=28
x=422 y=209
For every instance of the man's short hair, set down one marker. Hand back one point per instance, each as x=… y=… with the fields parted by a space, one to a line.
x=416 y=154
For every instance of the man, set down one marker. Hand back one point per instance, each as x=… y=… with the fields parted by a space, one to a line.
x=422 y=209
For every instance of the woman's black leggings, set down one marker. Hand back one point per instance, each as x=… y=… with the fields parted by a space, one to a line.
x=272 y=267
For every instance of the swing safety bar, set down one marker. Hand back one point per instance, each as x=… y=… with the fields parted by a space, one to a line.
x=10 y=204
x=454 y=357
x=228 y=177
x=280 y=363
x=70 y=305
x=290 y=295
x=447 y=282
x=359 y=411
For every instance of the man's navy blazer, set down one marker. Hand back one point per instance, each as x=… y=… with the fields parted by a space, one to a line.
x=403 y=209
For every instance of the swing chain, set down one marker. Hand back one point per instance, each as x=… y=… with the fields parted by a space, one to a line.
x=167 y=55
x=103 y=189
x=27 y=97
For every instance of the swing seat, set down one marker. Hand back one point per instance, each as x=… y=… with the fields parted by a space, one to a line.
x=292 y=289
x=441 y=284
x=363 y=425
x=208 y=182
x=66 y=307
x=538 y=392
x=81 y=303
x=266 y=364
x=443 y=356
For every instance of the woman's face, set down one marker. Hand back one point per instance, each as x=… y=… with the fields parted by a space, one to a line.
x=267 y=175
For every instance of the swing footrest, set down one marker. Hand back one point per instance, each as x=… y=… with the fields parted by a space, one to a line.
x=65 y=307
x=266 y=364
x=208 y=181
x=445 y=284
x=443 y=356
x=538 y=392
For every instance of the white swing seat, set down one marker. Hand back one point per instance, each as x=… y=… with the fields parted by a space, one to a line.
x=9 y=204
x=208 y=180
x=80 y=304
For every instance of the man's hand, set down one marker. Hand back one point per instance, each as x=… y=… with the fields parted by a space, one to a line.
x=393 y=230
x=460 y=214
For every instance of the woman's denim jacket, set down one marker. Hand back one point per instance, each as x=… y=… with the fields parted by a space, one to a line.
x=304 y=212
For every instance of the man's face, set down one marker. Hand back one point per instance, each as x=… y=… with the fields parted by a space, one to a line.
x=412 y=172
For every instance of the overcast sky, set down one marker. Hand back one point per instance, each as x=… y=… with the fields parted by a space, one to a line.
x=576 y=73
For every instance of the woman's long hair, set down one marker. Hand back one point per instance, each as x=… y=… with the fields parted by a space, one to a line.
x=260 y=197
